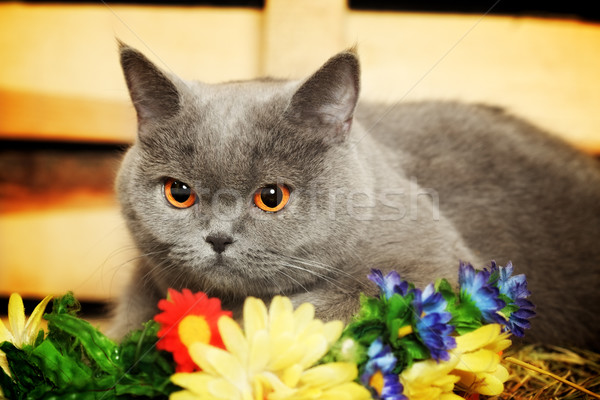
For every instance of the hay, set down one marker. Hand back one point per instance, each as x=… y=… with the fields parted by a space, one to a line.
x=581 y=367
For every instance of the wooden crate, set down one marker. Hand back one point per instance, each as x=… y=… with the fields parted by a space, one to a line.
x=60 y=81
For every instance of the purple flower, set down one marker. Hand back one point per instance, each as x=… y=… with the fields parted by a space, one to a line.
x=515 y=288
x=390 y=284
x=476 y=288
x=432 y=324
x=379 y=376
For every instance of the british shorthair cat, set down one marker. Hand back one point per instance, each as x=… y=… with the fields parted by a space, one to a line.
x=265 y=187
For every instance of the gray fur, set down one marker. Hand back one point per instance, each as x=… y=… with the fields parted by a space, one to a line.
x=413 y=187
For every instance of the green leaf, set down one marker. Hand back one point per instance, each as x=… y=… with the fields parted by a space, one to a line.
x=399 y=308
x=99 y=348
x=371 y=308
x=66 y=304
x=64 y=372
x=80 y=395
x=26 y=376
x=148 y=369
x=445 y=288
x=466 y=317
x=365 y=332
x=408 y=350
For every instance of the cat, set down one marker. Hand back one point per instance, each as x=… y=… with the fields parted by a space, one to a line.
x=267 y=186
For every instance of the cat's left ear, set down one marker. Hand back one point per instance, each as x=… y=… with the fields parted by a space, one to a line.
x=328 y=98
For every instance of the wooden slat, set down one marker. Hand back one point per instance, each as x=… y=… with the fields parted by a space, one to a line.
x=42 y=116
x=542 y=69
x=52 y=251
x=58 y=85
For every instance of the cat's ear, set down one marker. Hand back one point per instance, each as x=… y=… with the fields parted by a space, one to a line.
x=329 y=96
x=152 y=92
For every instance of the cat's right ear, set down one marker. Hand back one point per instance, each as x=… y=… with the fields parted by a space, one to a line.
x=152 y=92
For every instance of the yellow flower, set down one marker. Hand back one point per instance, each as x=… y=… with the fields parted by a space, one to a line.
x=474 y=365
x=20 y=332
x=477 y=356
x=273 y=358
x=429 y=380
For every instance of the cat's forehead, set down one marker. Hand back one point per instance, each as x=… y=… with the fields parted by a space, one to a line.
x=235 y=105
x=232 y=132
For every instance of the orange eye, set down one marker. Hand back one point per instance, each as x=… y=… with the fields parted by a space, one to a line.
x=179 y=194
x=272 y=198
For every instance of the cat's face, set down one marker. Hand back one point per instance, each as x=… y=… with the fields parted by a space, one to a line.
x=238 y=187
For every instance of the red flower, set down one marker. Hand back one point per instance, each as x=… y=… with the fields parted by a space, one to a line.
x=188 y=318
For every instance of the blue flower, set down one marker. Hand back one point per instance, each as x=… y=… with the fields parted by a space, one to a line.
x=390 y=284
x=475 y=287
x=379 y=374
x=432 y=324
x=515 y=288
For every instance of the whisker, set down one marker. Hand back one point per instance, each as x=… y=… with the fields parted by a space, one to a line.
x=317 y=274
x=291 y=278
x=326 y=267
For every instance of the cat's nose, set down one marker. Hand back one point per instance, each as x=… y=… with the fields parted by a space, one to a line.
x=219 y=242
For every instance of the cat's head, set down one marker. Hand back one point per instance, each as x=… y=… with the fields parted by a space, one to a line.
x=238 y=188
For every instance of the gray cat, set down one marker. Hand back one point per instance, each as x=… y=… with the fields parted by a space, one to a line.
x=268 y=187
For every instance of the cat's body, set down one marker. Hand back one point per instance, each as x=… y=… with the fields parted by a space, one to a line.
x=412 y=187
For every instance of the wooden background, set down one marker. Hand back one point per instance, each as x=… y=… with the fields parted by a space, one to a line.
x=65 y=116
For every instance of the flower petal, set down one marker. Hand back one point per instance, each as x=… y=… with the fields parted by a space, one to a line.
x=478 y=338
x=4 y=366
x=478 y=361
x=328 y=375
x=427 y=372
x=314 y=347
x=429 y=379
x=222 y=362
x=481 y=383
x=281 y=318
x=333 y=330
x=347 y=391
x=303 y=316
x=292 y=375
x=259 y=352
x=284 y=351
x=224 y=389
x=199 y=355
x=5 y=334
x=33 y=323
x=186 y=395
x=233 y=338
x=195 y=382
x=16 y=318
x=255 y=317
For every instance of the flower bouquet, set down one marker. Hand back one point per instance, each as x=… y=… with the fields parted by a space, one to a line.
x=405 y=343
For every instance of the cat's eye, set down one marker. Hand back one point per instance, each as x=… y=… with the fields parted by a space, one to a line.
x=179 y=194
x=272 y=198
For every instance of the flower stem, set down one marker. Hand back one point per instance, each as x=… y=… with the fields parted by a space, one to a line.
x=558 y=378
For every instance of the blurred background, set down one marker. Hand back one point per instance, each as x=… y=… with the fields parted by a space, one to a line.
x=65 y=116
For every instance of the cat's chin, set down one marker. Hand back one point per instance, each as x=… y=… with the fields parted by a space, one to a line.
x=230 y=275
x=237 y=278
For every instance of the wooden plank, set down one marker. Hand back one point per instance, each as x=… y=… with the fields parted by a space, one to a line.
x=300 y=35
x=543 y=69
x=55 y=250
x=60 y=77
x=57 y=85
x=42 y=116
